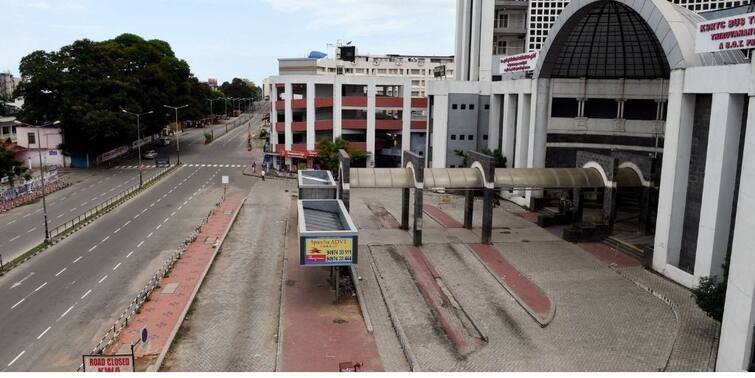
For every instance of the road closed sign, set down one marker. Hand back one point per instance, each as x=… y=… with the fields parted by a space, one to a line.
x=729 y=33
x=119 y=363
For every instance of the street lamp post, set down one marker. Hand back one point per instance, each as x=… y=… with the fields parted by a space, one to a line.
x=139 y=140
x=42 y=177
x=178 y=138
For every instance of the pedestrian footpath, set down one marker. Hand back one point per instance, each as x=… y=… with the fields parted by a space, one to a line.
x=163 y=313
x=316 y=334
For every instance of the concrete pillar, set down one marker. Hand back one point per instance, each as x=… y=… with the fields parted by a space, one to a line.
x=522 y=130
x=494 y=121
x=486 y=41
x=418 y=223
x=463 y=43
x=487 y=216
x=273 y=115
x=610 y=195
x=718 y=185
x=674 y=174
x=288 y=118
x=439 y=141
x=539 y=115
x=337 y=108
x=474 y=53
x=508 y=138
x=311 y=116
x=735 y=348
x=371 y=90
x=406 y=117
x=579 y=204
x=344 y=178
x=418 y=166
x=405 y=194
x=468 y=208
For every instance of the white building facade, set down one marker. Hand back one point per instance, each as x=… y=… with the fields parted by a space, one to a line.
x=376 y=114
x=618 y=84
x=417 y=68
x=46 y=140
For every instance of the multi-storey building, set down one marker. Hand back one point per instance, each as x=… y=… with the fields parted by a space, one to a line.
x=621 y=87
x=417 y=68
x=376 y=114
x=8 y=84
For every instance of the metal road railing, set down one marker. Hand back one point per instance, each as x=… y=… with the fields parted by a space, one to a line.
x=73 y=223
x=122 y=322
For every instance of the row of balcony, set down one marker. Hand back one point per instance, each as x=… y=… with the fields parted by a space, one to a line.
x=356 y=101
x=352 y=124
x=300 y=149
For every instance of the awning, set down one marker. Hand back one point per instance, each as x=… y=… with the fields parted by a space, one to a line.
x=548 y=178
x=381 y=178
x=453 y=178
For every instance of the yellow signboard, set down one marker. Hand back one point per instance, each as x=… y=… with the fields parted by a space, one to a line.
x=328 y=251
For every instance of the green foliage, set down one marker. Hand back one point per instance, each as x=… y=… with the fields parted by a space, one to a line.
x=327 y=152
x=710 y=294
x=85 y=84
x=500 y=160
x=207 y=138
x=9 y=166
x=239 y=88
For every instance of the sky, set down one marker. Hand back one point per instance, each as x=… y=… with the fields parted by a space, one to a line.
x=224 y=39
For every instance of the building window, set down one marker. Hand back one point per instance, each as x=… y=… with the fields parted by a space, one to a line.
x=487 y=106
x=601 y=108
x=471 y=106
x=564 y=107
x=461 y=137
x=453 y=136
x=463 y=106
x=484 y=136
x=471 y=137
x=454 y=106
x=32 y=138
x=499 y=47
x=640 y=109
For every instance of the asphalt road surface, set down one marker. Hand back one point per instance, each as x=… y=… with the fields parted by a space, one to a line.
x=57 y=306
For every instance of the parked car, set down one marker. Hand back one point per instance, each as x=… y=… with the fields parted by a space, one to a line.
x=151 y=154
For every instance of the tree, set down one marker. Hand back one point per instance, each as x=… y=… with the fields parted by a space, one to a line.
x=710 y=294
x=327 y=152
x=9 y=166
x=84 y=85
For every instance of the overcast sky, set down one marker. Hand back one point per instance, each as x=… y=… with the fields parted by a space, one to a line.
x=231 y=38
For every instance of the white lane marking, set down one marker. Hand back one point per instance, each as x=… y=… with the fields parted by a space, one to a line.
x=129 y=254
x=151 y=205
x=22 y=281
x=158 y=226
x=11 y=222
x=103 y=193
x=31 y=230
x=165 y=220
x=92 y=249
x=173 y=213
x=106 y=238
x=140 y=244
x=67 y=311
x=150 y=235
x=61 y=272
x=179 y=208
x=17 y=357
x=145 y=210
x=77 y=259
x=159 y=199
x=126 y=224
x=102 y=279
x=117 y=230
x=14 y=238
x=60 y=216
x=85 y=294
x=27 y=215
x=116 y=267
x=83 y=203
x=43 y=333
x=40 y=287
x=74 y=209
x=185 y=202
x=18 y=303
x=137 y=215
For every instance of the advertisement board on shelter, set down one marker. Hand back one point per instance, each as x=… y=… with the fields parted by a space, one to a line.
x=729 y=33
x=519 y=62
x=119 y=363
x=333 y=251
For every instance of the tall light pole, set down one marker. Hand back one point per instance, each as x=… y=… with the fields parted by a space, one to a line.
x=139 y=140
x=42 y=176
x=178 y=139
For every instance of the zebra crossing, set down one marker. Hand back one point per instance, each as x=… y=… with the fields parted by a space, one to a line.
x=197 y=165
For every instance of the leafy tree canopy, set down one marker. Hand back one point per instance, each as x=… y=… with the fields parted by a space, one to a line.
x=327 y=152
x=9 y=166
x=86 y=84
x=240 y=88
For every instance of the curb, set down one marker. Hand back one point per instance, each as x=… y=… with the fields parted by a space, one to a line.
x=360 y=296
x=279 y=334
x=159 y=362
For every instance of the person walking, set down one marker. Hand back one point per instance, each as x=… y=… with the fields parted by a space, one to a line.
x=263 y=174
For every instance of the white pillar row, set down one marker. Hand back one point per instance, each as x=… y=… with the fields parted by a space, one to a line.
x=494 y=121
x=438 y=139
x=406 y=119
x=337 y=108
x=371 y=90
x=672 y=193
x=474 y=55
x=539 y=115
x=735 y=346
x=486 y=41
x=273 y=116
x=718 y=185
x=288 y=115
x=462 y=56
x=522 y=130
x=508 y=139
x=311 y=115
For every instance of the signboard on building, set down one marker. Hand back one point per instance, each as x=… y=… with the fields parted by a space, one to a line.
x=328 y=251
x=519 y=63
x=117 y=363
x=439 y=71
x=729 y=33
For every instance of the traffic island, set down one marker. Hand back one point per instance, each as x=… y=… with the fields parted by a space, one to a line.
x=150 y=327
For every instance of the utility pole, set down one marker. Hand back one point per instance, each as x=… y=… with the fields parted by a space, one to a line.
x=42 y=170
x=139 y=140
x=178 y=139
